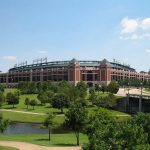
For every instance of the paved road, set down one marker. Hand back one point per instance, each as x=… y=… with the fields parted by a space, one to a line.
x=28 y=146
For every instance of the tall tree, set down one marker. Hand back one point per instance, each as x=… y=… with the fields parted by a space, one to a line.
x=76 y=118
x=82 y=88
x=113 y=87
x=48 y=123
x=33 y=103
x=2 y=88
x=2 y=98
x=105 y=133
x=60 y=101
x=27 y=102
x=3 y=123
x=12 y=99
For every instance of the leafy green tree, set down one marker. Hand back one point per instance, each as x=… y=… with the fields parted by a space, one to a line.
x=82 y=88
x=2 y=88
x=27 y=102
x=33 y=103
x=106 y=101
x=39 y=87
x=45 y=97
x=93 y=96
x=113 y=87
x=104 y=88
x=142 y=119
x=3 y=124
x=105 y=133
x=12 y=99
x=48 y=123
x=97 y=88
x=2 y=98
x=60 y=101
x=72 y=93
x=76 y=119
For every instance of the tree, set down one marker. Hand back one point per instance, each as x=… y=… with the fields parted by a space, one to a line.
x=106 y=101
x=2 y=88
x=82 y=88
x=3 y=123
x=48 y=123
x=45 y=97
x=27 y=102
x=93 y=96
x=97 y=88
x=142 y=119
x=76 y=118
x=33 y=103
x=104 y=132
x=2 y=98
x=113 y=87
x=72 y=93
x=60 y=101
x=103 y=88
x=12 y=99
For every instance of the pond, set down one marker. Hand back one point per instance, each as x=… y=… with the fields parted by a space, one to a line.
x=25 y=128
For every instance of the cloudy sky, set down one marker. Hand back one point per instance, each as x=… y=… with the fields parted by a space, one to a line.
x=81 y=29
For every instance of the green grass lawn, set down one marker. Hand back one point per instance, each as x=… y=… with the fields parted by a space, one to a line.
x=22 y=107
x=42 y=139
x=7 y=148
x=14 y=116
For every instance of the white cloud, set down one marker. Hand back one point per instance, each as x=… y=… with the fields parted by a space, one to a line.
x=147 y=50
x=129 y=25
x=145 y=24
x=9 y=58
x=136 y=36
x=42 y=52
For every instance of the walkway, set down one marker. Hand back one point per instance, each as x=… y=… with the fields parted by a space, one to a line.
x=28 y=146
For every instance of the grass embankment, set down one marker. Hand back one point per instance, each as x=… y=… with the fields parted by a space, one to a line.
x=21 y=117
x=42 y=139
x=7 y=148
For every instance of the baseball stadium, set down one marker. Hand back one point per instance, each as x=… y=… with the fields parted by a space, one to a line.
x=91 y=72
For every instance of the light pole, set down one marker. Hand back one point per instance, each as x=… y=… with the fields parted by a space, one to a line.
x=140 y=99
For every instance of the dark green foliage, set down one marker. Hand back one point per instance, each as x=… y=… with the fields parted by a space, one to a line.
x=113 y=87
x=105 y=133
x=72 y=93
x=142 y=119
x=107 y=101
x=1 y=88
x=103 y=88
x=33 y=103
x=93 y=96
x=3 y=124
x=45 y=97
x=60 y=101
x=76 y=118
x=27 y=102
x=82 y=89
x=97 y=88
x=2 y=98
x=12 y=98
x=133 y=82
x=48 y=123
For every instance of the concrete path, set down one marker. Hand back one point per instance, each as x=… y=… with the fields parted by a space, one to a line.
x=24 y=112
x=28 y=146
x=123 y=92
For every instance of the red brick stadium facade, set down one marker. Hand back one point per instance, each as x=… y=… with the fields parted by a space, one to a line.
x=91 y=72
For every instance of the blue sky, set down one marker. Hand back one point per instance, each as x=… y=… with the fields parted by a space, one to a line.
x=81 y=29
